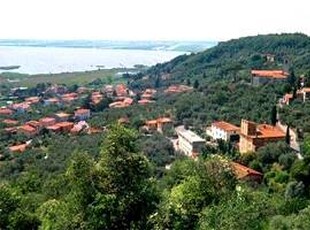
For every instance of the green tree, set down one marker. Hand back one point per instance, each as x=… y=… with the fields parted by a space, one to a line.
x=196 y=84
x=273 y=117
x=288 y=136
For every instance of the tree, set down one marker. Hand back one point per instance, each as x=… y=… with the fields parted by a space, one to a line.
x=196 y=84
x=273 y=117
x=292 y=78
x=126 y=190
x=288 y=136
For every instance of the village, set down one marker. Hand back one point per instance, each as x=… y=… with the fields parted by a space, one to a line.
x=246 y=138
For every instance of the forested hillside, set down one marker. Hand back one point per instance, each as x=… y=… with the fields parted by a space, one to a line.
x=124 y=177
x=241 y=54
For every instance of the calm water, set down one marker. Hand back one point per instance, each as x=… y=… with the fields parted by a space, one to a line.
x=35 y=60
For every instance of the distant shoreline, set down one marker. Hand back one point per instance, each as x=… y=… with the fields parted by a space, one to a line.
x=10 y=67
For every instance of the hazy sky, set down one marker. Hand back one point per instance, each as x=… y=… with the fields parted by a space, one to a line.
x=151 y=19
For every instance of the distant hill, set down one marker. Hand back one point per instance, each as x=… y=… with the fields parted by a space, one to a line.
x=241 y=54
x=185 y=46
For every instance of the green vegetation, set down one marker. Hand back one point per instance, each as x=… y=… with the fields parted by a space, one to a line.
x=79 y=78
x=124 y=178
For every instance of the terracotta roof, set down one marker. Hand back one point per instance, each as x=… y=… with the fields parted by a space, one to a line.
x=47 y=120
x=269 y=131
x=6 y=111
x=33 y=123
x=242 y=171
x=164 y=120
x=306 y=90
x=18 y=148
x=279 y=74
x=65 y=124
x=225 y=126
x=10 y=122
x=53 y=127
x=145 y=101
x=27 y=128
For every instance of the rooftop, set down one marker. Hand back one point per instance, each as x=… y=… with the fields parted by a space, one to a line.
x=278 y=74
x=18 y=148
x=225 y=126
x=10 y=122
x=189 y=135
x=242 y=171
x=27 y=128
x=47 y=119
x=62 y=115
x=269 y=131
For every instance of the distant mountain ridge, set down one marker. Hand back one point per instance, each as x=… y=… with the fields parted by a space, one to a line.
x=187 y=46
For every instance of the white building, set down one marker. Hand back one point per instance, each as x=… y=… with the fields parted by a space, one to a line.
x=189 y=142
x=223 y=130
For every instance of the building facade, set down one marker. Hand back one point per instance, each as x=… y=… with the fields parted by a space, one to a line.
x=254 y=136
x=224 y=131
x=189 y=142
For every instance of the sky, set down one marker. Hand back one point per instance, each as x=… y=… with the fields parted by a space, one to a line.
x=216 y=20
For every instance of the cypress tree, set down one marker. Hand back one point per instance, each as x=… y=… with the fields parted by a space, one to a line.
x=196 y=84
x=273 y=117
x=288 y=136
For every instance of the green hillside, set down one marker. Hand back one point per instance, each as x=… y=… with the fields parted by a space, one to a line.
x=222 y=78
x=241 y=54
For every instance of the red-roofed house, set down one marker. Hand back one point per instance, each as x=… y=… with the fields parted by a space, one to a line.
x=18 y=148
x=260 y=77
x=28 y=130
x=20 y=107
x=6 y=112
x=254 y=136
x=244 y=173
x=10 y=122
x=61 y=127
x=47 y=121
x=224 y=131
x=69 y=97
x=121 y=90
x=159 y=124
x=82 y=114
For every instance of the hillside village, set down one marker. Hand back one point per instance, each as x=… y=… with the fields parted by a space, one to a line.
x=213 y=140
x=246 y=138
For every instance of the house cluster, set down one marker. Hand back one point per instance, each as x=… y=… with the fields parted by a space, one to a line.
x=160 y=124
x=59 y=122
x=249 y=137
x=302 y=94
x=191 y=145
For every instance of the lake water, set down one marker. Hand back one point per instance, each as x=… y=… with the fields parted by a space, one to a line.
x=35 y=60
